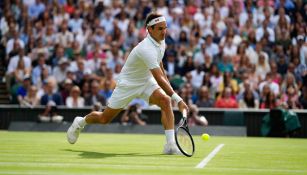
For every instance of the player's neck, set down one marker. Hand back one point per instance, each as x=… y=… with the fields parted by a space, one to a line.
x=155 y=39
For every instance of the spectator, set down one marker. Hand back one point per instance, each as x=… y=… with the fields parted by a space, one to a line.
x=50 y=113
x=65 y=89
x=31 y=99
x=270 y=101
x=274 y=87
x=248 y=100
x=94 y=96
x=291 y=98
x=226 y=101
x=13 y=64
x=194 y=118
x=38 y=70
x=61 y=69
x=204 y=99
x=21 y=72
x=197 y=77
x=74 y=100
x=107 y=90
x=229 y=81
x=132 y=116
x=51 y=94
x=23 y=89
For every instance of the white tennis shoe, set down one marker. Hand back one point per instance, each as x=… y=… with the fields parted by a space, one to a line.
x=74 y=131
x=171 y=149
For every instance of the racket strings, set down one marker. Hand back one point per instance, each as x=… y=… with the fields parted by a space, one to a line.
x=185 y=141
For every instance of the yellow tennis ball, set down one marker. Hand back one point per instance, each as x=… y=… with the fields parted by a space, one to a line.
x=205 y=136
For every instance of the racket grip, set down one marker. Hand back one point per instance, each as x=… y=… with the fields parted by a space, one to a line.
x=184 y=113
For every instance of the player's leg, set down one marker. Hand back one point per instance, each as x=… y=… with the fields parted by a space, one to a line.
x=94 y=117
x=160 y=98
x=121 y=96
x=104 y=117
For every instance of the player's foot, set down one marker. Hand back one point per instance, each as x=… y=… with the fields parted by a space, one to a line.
x=74 y=130
x=171 y=148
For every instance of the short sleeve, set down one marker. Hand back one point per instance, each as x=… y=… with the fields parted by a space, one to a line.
x=149 y=57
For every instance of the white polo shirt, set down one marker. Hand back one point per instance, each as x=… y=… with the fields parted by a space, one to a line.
x=145 y=56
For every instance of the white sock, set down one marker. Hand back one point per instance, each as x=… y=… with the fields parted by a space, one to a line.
x=82 y=122
x=170 y=136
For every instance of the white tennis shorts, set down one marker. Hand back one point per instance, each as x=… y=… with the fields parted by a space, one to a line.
x=123 y=94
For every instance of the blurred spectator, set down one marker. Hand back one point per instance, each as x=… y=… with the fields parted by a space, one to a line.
x=194 y=118
x=94 y=96
x=14 y=40
x=106 y=90
x=51 y=95
x=50 y=113
x=66 y=87
x=228 y=81
x=274 y=87
x=60 y=70
x=21 y=72
x=36 y=9
x=226 y=101
x=74 y=100
x=23 y=89
x=31 y=99
x=13 y=64
x=270 y=101
x=132 y=116
x=197 y=77
x=38 y=70
x=248 y=100
x=204 y=99
x=108 y=77
x=225 y=65
x=291 y=98
x=262 y=67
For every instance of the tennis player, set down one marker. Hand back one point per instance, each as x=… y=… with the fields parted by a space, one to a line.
x=142 y=76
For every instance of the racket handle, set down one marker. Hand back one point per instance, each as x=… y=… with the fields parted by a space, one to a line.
x=184 y=113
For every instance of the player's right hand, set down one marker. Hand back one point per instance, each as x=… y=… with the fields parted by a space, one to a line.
x=182 y=106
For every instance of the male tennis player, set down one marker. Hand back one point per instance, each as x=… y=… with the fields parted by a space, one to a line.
x=142 y=76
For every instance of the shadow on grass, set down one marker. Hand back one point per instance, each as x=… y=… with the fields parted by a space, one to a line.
x=99 y=155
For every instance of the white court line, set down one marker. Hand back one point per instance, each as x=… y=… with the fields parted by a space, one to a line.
x=204 y=162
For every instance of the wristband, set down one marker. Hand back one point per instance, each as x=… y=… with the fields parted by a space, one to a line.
x=176 y=98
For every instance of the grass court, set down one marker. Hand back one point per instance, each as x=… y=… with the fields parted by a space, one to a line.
x=44 y=153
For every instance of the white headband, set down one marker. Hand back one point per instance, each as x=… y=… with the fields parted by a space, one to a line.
x=155 y=21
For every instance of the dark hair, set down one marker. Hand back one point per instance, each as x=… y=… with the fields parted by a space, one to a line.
x=132 y=108
x=151 y=16
x=250 y=102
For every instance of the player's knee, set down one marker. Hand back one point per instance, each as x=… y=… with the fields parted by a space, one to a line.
x=165 y=101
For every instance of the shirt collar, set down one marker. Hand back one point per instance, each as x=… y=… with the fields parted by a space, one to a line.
x=154 y=41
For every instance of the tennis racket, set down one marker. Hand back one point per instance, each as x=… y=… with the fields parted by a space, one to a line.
x=183 y=137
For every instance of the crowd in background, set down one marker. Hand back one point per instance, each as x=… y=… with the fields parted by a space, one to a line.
x=220 y=53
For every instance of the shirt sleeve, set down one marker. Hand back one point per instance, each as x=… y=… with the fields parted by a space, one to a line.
x=149 y=57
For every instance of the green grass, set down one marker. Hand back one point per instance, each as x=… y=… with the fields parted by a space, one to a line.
x=49 y=153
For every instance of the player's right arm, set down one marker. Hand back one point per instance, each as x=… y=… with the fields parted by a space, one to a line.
x=162 y=81
x=164 y=84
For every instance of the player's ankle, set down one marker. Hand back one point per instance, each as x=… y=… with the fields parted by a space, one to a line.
x=82 y=122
